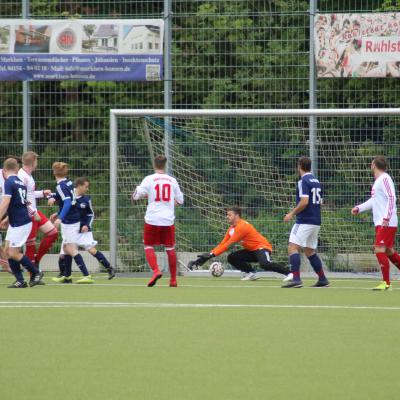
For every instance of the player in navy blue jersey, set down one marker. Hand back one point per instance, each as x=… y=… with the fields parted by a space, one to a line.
x=14 y=203
x=304 y=234
x=86 y=239
x=69 y=219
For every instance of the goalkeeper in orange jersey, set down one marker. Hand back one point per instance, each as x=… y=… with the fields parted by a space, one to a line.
x=257 y=249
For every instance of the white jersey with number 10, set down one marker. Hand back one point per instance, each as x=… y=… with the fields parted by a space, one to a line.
x=162 y=191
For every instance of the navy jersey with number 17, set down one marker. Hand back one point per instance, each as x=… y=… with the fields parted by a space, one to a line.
x=17 y=210
x=309 y=186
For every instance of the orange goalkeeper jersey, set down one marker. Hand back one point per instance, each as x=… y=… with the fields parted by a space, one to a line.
x=245 y=234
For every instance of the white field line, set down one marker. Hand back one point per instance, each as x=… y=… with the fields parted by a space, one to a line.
x=70 y=304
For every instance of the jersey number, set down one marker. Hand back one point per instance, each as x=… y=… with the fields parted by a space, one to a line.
x=316 y=195
x=163 y=192
x=22 y=195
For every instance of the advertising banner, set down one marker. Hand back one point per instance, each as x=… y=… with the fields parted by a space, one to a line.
x=357 y=45
x=80 y=49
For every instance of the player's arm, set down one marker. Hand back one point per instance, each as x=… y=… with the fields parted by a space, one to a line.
x=40 y=194
x=141 y=191
x=202 y=258
x=239 y=234
x=5 y=202
x=362 y=207
x=388 y=189
x=88 y=219
x=65 y=196
x=6 y=199
x=178 y=195
x=302 y=204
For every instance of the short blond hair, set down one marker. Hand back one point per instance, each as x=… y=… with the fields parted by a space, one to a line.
x=10 y=164
x=60 y=169
x=29 y=158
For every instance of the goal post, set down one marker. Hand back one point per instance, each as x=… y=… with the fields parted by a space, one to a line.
x=248 y=157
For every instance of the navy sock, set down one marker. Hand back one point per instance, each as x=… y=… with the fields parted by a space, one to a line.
x=67 y=265
x=81 y=264
x=294 y=261
x=102 y=259
x=316 y=263
x=61 y=265
x=27 y=263
x=16 y=270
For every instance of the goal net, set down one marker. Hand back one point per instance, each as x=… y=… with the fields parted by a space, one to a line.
x=250 y=160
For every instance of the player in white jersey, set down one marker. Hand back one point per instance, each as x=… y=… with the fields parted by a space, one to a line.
x=163 y=193
x=384 y=211
x=39 y=220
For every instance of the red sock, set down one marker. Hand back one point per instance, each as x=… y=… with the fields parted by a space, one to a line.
x=395 y=259
x=172 y=262
x=384 y=264
x=30 y=249
x=46 y=243
x=152 y=259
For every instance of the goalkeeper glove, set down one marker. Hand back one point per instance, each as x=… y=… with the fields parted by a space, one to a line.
x=201 y=259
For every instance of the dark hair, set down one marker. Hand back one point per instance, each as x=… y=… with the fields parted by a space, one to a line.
x=304 y=163
x=18 y=158
x=235 y=209
x=160 y=161
x=381 y=163
x=81 y=181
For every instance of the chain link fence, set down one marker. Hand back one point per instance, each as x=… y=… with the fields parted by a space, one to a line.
x=225 y=54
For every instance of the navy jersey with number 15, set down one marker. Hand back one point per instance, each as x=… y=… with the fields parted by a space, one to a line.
x=309 y=186
x=17 y=210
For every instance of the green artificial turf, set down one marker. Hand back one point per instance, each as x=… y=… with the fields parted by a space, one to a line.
x=121 y=340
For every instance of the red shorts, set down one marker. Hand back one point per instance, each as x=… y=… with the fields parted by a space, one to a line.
x=159 y=235
x=385 y=236
x=37 y=224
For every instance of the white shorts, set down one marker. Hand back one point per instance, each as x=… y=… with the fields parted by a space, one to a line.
x=305 y=235
x=70 y=233
x=18 y=235
x=85 y=240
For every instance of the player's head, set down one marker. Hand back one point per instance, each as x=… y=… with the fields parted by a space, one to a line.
x=81 y=185
x=304 y=165
x=10 y=166
x=30 y=159
x=160 y=162
x=379 y=163
x=233 y=214
x=60 y=169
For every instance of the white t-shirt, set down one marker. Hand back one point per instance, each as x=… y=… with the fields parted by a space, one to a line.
x=382 y=201
x=32 y=194
x=162 y=190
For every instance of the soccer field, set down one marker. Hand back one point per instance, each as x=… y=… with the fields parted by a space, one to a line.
x=207 y=339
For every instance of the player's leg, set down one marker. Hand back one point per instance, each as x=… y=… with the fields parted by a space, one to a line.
x=17 y=237
x=101 y=258
x=70 y=234
x=384 y=239
x=394 y=257
x=168 y=240
x=296 y=242
x=264 y=259
x=30 y=245
x=316 y=264
x=65 y=267
x=242 y=260
x=151 y=238
x=50 y=237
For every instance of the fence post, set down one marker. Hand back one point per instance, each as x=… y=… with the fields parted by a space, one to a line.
x=26 y=96
x=167 y=79
x=113 y=188
x=312 y=93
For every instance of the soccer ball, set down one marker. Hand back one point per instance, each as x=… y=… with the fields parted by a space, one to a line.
x=216 y=269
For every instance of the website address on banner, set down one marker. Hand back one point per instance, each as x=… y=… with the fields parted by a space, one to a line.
x=64 y=76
